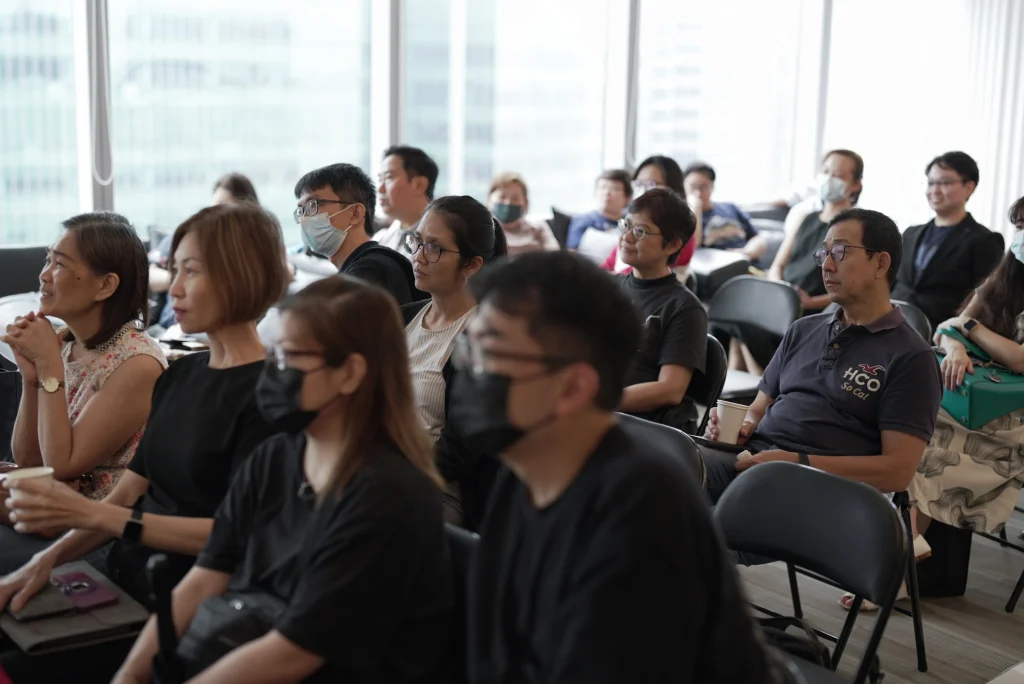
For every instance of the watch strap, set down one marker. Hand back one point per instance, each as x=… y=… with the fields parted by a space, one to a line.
x=133 y=528
x=41 y=384
x=803 y=458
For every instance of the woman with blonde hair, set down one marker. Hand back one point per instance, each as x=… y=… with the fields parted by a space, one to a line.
x=335 y=527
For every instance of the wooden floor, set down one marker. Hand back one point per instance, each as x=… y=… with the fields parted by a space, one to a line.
x=969 y=640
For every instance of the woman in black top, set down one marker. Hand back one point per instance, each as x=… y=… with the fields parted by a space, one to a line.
x=339 y=520
x=203 y=423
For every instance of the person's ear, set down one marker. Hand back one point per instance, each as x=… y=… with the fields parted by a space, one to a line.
x=351 y=374
x=970 y=187
x=419 y=184
x=673 y=246
x=884 y=264
x=580 y=387
x=359 y=216
x=108 y=286
x=473 y=267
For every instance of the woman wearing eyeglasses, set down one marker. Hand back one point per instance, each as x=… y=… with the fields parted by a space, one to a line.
x=452 y=242
x=657 y=225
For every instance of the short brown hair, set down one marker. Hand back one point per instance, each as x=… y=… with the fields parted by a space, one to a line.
x=346 y=316
x=508 y=178
x=858 y=161
x=242 y=249
x=238 y=186
x=620 y=176
x=670 y=213
x=107 y=243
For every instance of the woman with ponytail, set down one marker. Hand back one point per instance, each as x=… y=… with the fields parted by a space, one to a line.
x=455 y=238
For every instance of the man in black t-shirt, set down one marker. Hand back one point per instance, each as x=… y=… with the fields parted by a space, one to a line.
x=598 y=561
x=674 y=341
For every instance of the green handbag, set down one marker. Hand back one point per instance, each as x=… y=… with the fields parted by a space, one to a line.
x=992 y=391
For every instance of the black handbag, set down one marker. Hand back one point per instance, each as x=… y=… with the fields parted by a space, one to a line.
x=223 y=623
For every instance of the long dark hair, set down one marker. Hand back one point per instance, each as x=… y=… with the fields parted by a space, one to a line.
x=670 y=171
x=1001 y=297
x=108 y=244
x=476 y=232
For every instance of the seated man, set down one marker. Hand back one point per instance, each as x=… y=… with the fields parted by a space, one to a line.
x=726 y=226
x=612 y=190
x=952 y=254
x=598 y=561
x=407 y=179
x=855 y=393
x=674 y=342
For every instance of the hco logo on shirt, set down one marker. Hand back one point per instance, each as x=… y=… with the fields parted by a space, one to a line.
x=863 y=380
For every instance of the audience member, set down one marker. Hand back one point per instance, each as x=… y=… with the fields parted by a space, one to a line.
x=203 y=425
x=508 y=199
x=854 y=393
x=598 y=561
x=660 y=171
x=972 y=478
x=952 y=254
x=406 y=188
x=357 y=560
x=230 y=188
x=87 y=390
x=612 y=192
x=725 y=226
x=674 y=341
x=452 y=242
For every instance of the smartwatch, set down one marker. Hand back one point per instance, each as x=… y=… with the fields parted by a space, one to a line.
x=803 y=459
x=969 y=325
x=133 y=528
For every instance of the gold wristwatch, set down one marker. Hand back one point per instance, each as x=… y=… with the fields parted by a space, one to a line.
x=50 y=385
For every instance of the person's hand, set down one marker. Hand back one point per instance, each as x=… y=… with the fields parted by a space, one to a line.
x=957 y=323
x=125 y=677
x=45 y=504
x=711 y=432
x=805 y=299
x=22 y=584
x=34 y=338
x=954 y=365
x=765 y=457
x=27 y=368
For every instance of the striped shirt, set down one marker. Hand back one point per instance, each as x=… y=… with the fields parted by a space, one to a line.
x=428 y=353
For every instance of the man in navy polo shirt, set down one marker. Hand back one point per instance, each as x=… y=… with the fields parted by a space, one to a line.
x=854 y=393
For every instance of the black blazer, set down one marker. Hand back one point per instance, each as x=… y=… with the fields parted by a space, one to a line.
x=958 y=266
x=475 y=473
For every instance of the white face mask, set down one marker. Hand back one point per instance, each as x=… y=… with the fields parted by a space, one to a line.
x=320 y=236
x=1017 y=246
x=832 y=189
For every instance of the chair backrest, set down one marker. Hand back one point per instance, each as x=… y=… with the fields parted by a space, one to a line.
x=461 y=545
x=751 y=301
x=670 y=439
x=917 y=319
x=844 y=530
x=560 y=225
x=20 y=267
x=706 y=387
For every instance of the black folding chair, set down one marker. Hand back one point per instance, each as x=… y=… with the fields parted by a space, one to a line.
x=1002 y=540
x=706 y=387
x=762 y=308
x=461 y=546
x=837 y=528
x=672 y=440
x=915 y=317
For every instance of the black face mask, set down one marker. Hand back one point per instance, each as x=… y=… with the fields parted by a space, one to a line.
x=277 y=396
x=479 y=409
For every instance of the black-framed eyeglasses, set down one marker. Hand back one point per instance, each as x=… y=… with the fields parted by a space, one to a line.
x=467 y=356
x=311 y=207
x=412 y=243
x=638 y=231
x=280 y=356
x=837 y=252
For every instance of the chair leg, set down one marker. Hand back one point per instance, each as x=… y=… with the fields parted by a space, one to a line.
x=1015 y=596
x=1002 y=535
x=915 y=598
x=794 y=591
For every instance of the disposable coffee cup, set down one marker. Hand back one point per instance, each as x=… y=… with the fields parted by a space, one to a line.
x=730 y=420
x=22 y=474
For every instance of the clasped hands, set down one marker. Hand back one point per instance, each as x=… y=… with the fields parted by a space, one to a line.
x=746 y=430
x=35 y=344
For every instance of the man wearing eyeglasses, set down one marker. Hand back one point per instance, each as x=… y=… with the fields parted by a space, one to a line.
x=948 y=257
x=855 y=393
x=674 y=343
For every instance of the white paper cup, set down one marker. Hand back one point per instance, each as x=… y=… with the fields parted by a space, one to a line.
x=25 y=474
x=730 y=420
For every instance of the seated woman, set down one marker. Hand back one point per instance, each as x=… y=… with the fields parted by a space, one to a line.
x=660 y=171
x=203 y=424
x=972 y=478
x=87 y=390
x=508 y=199
x=358 y=560
x=453 y=240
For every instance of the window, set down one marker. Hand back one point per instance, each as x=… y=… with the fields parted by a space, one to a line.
x=532 y=93
x=38 y=144
x=717 y=82
x=271 y=90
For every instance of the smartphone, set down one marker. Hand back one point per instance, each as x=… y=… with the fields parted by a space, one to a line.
x=49 y=602
x=84 y=592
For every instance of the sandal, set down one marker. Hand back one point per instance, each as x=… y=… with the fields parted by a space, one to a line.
x=846 y=600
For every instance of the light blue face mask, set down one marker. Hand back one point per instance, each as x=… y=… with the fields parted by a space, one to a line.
x=320 y=236
x=1017 y=246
